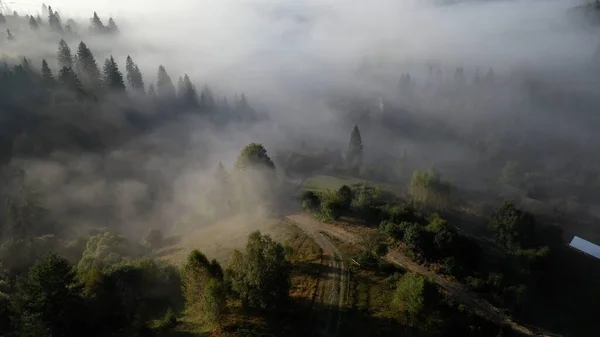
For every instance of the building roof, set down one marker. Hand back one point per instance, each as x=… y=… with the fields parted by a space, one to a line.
x=586 y=246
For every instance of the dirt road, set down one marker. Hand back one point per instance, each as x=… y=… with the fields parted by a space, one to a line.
x=454 y=289
x=333 y=284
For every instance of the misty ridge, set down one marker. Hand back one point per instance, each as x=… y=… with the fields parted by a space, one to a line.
x=466 y=86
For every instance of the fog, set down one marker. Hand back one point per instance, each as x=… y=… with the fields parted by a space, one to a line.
x=291 y=58
x=281 y=50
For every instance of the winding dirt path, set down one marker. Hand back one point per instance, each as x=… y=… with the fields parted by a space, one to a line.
x=455 y=289
x=332 y=290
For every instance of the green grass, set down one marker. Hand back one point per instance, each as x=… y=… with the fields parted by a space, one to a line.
x=322 y=183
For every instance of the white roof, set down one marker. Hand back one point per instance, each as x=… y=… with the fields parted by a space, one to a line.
x=586 y=246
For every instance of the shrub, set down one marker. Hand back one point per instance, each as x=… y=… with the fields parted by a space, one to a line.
x=310 y=201
x=345 y=197
x=331 y=206
x=395 y=230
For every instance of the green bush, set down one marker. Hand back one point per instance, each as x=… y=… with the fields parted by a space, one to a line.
x=310 y=201
x=345 y=197
x=395 y=230
x=331 y=205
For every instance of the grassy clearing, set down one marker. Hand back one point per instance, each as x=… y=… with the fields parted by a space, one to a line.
x=218 y=241
x=321 y=183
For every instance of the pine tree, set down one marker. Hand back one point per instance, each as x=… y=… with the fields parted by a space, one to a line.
x=69 y=79
x=187 y=93
x=112 y=26
x=15 y=14
x=33 y=23
x=139 y=79
x=44 y=9
x=164 y=85
x=113 y=78
x=97 y=24
x=2 y=18
x=39 y=21
x=87 y=68
x=354 y=155
x=47 y=77
x=54 y=20
x=65 y=58
x=134 y=76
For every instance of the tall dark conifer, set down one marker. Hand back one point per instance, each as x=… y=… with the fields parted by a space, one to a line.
x=87 y=68
x=354 y=156
x=68 y=78
x=65 y=58
x=134 y=76
x=97 y=25
x=112 y=26
x=54 y=20
x=33 y=23
x=164 y=85
x=47 y=76
x=113 y=78
x=187 y=94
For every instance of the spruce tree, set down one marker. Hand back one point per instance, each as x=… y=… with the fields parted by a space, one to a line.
x=47 y=77
x=97 y=24
x=112 y=26
x=139 y=80
x=187 y=93
x=87 y=68
x=134 y=76
x=2 y=18
x=54 y=20
x=33 y=23
x=164 y=85
x=354 y=155
x=113 y=78
x=68 y=78
x=65 y=58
